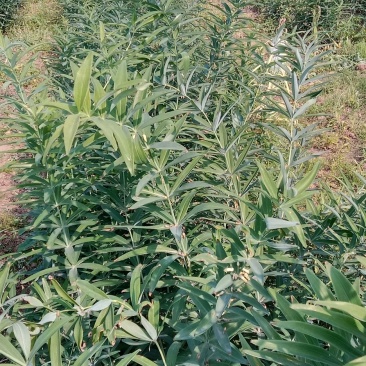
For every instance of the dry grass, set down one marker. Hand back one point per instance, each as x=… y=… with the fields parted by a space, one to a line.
x=36 y=21
x=344 y=148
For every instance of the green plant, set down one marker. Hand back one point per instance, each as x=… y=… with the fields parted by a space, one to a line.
x=8 y=10
x=159 y=215
x=329 y=329
x=335 y=19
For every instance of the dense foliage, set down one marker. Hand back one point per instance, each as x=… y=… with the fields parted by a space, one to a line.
x=335 y=19
x=8 y=10
x=167 y=229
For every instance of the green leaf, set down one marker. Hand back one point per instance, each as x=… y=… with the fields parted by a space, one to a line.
x=159 y=270
x=356 y=311
x=253 y=361
x=62 y=293
x=290 y=314
x=305 y=182
x=154 y=313
x=343 y=288
x=48 y=333
x=149 y=328
x=223 y=284
x=55 y=349
x=205 y=207
x=135 y=286
x=171 y=357
x=148 y=201
x=143 y=361
x=320 y=289
x=82 y=85
x=78 y=333
x=299 y=112
x=277 y=358
x=127 y=358
x=193 y=330
x=9 y=351
x=4 y=274
x=361 y=361
x=268 y=181
x=222 y=304
x=125 y=145
x=104 y=125
x=222 y=338
x=47 y=149
x=167 y=145
x=70 y=128
x=335 y=318
x=185 y=172
x=135 y=331
x=257 y=269
x=23 y=337
x=274 y=223
x=308 y=351
x=297 y=199
x=151 y=249
x=159 y=118
x=48 y=318
x=101 y=305
x=33 y=301
x=91 y=290
x=298 y=229
x=322 y=333
x=362 y=260
x=267 y=328
x=85 y=356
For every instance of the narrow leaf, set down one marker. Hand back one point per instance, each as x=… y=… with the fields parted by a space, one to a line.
x=71 y=127
x=23 y=337
x=9 y=351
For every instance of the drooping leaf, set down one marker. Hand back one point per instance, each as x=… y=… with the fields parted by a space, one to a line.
x=134 y=330
x=91 y=290
x=9 y=351
x=23 y=337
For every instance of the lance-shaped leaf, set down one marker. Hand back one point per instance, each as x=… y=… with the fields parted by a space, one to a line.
x=274 y=223
x=9 y=351
x=82 y=85
x=71 y=127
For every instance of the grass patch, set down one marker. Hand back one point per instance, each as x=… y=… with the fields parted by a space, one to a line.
x=342 y=106
x=36 y=21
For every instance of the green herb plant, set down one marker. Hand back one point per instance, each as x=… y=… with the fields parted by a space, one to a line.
x=163 y=227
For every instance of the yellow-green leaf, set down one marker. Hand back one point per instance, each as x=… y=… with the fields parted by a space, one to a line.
x=71 y=127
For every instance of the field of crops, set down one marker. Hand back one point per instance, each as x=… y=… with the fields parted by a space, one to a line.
x=174 y=210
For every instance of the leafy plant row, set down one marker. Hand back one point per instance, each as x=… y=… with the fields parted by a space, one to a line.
x=167 y=229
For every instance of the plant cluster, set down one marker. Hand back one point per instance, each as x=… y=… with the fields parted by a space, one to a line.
x=336 y=19
x=8 y=10
x=166 y=229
